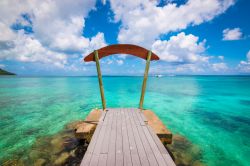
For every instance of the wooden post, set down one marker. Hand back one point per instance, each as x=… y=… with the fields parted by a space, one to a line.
x=100 y=79
x=145 y=80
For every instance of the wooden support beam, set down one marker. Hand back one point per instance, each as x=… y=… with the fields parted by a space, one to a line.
x=100 y=80
x=86 y=128
x=145 y=80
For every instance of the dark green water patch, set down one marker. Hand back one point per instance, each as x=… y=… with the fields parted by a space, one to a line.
x=245 y=102
x=59 y=149
x=185 y=153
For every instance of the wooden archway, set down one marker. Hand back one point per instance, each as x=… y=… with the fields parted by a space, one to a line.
x=122 y=49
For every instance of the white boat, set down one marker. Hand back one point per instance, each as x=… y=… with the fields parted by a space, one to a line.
x=159 y=75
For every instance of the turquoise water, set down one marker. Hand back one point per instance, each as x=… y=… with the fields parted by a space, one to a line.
x=212 y=112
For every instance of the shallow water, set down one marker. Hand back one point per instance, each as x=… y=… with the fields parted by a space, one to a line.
x=213 y=112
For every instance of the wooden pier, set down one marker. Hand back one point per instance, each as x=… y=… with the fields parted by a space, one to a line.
x=124 y=138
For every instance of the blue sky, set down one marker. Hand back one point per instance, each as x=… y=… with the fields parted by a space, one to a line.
x=191 y=36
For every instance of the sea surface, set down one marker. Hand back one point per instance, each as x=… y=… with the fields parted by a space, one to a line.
x=213 y=112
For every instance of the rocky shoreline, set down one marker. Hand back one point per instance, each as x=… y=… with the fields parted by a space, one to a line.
x=64 y=149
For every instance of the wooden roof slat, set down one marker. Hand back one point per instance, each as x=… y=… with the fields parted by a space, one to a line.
x=121 y=49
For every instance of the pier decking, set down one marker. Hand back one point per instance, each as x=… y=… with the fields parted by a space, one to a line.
x=123 y=138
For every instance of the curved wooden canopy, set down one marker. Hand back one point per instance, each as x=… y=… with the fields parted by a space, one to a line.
x=121 y=49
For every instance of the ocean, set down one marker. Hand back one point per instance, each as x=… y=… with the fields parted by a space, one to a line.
x=212 y=112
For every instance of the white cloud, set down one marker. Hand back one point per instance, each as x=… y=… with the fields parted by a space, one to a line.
x=181 y=48
x=187 y=56
x=57 y=31
x=221 y=57
x=119 y=62
x=244 y=66
x=66 y=22
x=219 y=67
x=248 y=55
x=109 y=62
x=28 y=49
x=143 y=21
x=6 y=33
x=2 y=66
x=232 y=34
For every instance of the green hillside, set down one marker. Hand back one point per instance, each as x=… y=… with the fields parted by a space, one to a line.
x=3 y=72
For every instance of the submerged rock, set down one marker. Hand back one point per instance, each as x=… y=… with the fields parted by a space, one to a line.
x=40 y=162
x=13 y=162
x=62 y=158
x=185 y=153
x=64 y=149
x=59 y=149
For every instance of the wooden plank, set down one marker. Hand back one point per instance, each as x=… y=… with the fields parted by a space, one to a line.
x=99 y=143
x=141 y=120
x=158 y=155
x=148 y=150
x=140 y=148
x=169 y=161
x=106 y=140
x=125 y=142
x=132 y=145
x=118 y=145
x=123 y=138
x=88 y=154
x=103 y=160
x=112 y=140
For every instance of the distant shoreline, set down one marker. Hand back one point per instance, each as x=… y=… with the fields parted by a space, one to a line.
x=123 y=75
x=5 y=73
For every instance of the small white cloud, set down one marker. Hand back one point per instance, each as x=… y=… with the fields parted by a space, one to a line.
x=244 y=66
x=181 y=48
x=109 y=61
x=2 y=66
x=119 y=62
x=219 y=67
x=232 y=34
x=248 y=55
x=221 y=57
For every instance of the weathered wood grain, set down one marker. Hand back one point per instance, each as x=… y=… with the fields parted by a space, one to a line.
x=122 y=138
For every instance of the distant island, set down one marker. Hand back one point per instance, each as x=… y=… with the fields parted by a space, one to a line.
x=3 y=72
